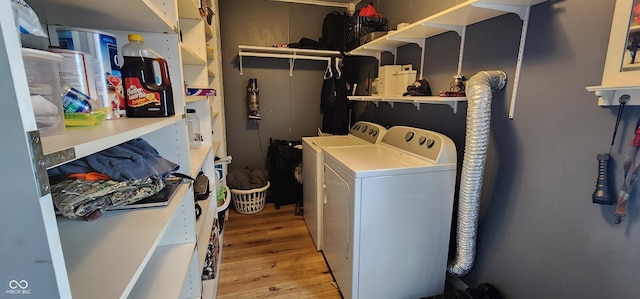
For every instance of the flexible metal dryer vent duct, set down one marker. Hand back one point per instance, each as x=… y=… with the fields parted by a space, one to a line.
x=479 y=90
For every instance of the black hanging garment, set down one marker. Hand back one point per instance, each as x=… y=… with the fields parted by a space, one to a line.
x=334 y=104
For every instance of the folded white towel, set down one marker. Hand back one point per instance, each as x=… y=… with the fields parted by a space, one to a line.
x=44 y=122
x=43 y=107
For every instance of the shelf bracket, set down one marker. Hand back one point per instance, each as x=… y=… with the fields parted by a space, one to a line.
x=516 y=77
x=521 y=11
x=391 y=103
x=454 y=106
x=415 y=103
x=605 y=97
x=461 y=52
x=240 y=58
x=457 y=28
x=41 y=161
x=292 y=62
x=418 y=41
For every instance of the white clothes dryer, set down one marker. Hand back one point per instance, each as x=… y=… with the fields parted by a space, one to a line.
x=387 y=214
x=360 y=133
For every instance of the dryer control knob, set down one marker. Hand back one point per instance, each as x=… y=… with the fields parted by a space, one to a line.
x=374 y=133
x=409 y=136
x=422 y=140
x=364 y=129
x=430 y=143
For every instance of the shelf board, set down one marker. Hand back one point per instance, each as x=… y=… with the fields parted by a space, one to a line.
x=211 y=70
x=208 y=32
x=165 y=273
x=88 y=140
x=454 y=18
x=289 y=53
x=197 y=157
x=252 y=50
x=105 y=14
x=216 y=146
x=188 y=9
x=608 y=95
x=415 y=100
x=118 y=245
x=191 y=58
x=193 y=99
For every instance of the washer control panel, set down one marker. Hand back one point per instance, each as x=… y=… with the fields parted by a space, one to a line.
x=424 y=143
x=370 y=132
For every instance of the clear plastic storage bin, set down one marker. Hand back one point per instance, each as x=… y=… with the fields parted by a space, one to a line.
x=43 y=77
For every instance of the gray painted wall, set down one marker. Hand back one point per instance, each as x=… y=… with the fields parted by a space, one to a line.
x=540 y=236
x=290 y=106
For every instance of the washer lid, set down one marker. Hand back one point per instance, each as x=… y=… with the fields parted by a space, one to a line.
x=381 y=159
x=336 y=140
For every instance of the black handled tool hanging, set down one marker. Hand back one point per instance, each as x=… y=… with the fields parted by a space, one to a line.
x=601 y=194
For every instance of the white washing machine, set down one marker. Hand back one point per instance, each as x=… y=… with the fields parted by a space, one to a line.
x=361 y=133
x=387 y=214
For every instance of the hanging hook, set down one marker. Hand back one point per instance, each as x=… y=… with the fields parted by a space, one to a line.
x=328 y=73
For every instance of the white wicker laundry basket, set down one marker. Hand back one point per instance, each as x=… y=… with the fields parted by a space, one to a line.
x=249 y=201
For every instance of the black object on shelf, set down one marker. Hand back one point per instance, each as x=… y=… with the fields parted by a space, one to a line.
x=359 y=26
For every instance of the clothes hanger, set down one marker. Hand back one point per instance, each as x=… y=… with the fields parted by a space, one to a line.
x=328 y=73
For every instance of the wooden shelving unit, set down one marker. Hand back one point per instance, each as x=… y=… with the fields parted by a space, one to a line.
x=136 y=253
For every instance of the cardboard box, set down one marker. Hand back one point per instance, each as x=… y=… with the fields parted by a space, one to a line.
x=201 y=91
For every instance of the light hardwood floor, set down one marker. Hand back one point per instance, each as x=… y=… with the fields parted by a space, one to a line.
x=271 y=255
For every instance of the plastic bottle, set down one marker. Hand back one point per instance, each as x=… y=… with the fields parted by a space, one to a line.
x=193 y=127
x=147 y=87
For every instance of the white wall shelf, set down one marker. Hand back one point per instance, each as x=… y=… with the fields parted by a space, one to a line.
x=289 y=53
x=415 y=100
x=456 y=19
x=610 y=95
x=86 y=141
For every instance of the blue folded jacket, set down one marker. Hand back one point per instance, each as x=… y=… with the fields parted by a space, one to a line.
x=134 y=159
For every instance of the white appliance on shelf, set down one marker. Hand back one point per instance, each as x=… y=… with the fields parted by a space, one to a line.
x=361 y=133
x=387 y=214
